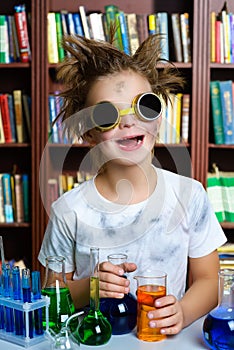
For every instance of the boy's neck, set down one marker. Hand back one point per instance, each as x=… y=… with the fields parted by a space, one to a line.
x=126 y=184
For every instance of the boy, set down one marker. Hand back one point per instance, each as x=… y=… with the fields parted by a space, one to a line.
x=161 y=220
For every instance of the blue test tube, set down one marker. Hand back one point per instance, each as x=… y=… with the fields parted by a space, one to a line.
x=26 y=288
x=36 y=290
x=16 y=284
x=2 y=317
x=7 y=294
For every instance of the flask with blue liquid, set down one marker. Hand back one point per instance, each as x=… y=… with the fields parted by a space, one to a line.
x=121 y=313
x=218 y=326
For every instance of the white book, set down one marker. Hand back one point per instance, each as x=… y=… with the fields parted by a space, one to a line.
x=84 y=22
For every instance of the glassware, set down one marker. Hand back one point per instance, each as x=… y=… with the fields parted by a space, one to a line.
x=55 y=286
x=94 y=329
x=218 y=326
x=150 y=286
x=121 y=313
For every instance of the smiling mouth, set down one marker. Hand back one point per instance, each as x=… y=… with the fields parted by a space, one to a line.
x=131 y=141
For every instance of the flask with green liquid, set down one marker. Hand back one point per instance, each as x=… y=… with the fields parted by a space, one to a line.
x=94 y=329
x=55 y=286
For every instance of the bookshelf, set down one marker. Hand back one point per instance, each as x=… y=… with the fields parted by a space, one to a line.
x=222 y=154
x=39 y=78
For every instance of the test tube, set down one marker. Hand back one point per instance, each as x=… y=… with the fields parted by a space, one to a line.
x=36 y=290
x=16 y=284
x=26 y=288
x=7 y=294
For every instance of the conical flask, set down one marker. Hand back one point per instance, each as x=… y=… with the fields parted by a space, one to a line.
x=218 y=326
x=121 y=313
x=55 y=286
x=94 y=329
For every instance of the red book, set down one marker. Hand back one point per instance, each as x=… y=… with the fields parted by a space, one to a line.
x=22 y=33
x=217 y=41
x=6 y=118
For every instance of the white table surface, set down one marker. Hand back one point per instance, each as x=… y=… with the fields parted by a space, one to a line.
x=190 y=338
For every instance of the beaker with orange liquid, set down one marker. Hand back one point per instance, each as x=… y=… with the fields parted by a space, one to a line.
x=149 y=288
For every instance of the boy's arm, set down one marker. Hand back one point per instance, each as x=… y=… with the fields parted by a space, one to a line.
x=202 y=295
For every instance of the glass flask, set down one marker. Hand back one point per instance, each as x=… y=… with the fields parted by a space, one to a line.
x=94 y=329
x=218 y=326
x=55 y=286
x=121 y=313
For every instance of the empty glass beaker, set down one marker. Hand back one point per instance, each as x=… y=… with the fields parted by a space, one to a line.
x=55 y=286
x=218 y=326
x=121 y=313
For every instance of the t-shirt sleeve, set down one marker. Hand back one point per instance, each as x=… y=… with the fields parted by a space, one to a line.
x=59 y=240
x=206 y=234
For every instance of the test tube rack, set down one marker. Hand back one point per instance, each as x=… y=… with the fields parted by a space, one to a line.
x=25 y=340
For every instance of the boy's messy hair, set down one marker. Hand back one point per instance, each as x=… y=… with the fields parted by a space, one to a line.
x=89 y=59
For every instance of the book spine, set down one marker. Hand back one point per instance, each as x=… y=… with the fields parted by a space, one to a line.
x=3 y=46
x=216 y=110
x=22 y=33
x=17 y=96
x=111 y=11
x=25 y=186
x=132 y=32
x=227 y=111
x=162 y=18
x=185 y=117
x=2 y=137
x=214 y=192
x=212 y=36
x=12 y=116
x=185 y=37
x=78 y=24
x=142 y=27
x=59 y=33
x=7 y=198
x=52 y=114
x=6 y=118
x=124 y=32
x=19 y=211
x=2 y=215
x=84 y=21
x=175 y=19
x=152 y=23
x=53 y=56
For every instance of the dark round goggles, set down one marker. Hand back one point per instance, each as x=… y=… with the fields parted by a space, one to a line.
x=106 y=116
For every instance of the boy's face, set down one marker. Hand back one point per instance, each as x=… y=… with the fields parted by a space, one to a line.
x=132 y=139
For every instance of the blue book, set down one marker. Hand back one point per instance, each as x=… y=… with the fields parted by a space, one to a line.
x=70 y=23
x=25 y=186
x=78 y=24
x=53 y=134
x=227 y=111
x=162 y=19
x=12 y=117
x=7 y=197
x=124 y=32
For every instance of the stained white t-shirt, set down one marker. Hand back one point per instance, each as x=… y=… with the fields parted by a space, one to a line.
x=160 y=233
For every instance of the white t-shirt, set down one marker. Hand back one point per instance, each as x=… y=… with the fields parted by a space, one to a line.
x=174 y=223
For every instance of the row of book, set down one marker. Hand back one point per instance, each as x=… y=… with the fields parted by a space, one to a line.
x=222 y=110
x=226 y=256
x=14 y=37
x=222 y=36
x=174 y=128
x=131 y=30
x=15 y=117
x=14 y=198
x=220 y=190
x=64 y=183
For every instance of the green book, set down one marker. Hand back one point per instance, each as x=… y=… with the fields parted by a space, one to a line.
x=214 y=191
x=3 y=38
x=227 y=183
x=111 y=12
x=216 y=110
x=59 y=31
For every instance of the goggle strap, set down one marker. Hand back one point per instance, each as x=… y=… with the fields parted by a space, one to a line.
x=126 y=111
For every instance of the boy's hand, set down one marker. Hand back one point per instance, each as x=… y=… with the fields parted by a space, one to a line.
x=112 y=283
x=168 y=315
